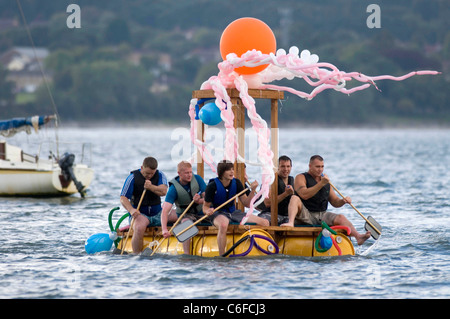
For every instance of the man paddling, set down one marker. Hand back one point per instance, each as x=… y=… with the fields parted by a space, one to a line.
x=184 y=189
x=218 y=191
x=154 y=182
x=314 y=194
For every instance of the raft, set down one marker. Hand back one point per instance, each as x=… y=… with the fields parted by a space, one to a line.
x=247 y=241
x=242 y=240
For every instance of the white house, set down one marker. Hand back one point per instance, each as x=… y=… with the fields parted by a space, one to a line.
x=23 y=67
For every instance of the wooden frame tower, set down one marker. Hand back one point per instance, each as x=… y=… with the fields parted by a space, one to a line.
x=239 y=111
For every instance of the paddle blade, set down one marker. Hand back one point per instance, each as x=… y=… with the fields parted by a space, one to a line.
x=373 y=232
x=182 y=235
x=147 y=252
x=97 y=243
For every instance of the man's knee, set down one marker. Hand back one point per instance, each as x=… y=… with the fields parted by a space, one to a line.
x=221 y=223
x=339 y=220
x=140 y=224
x=295 y=199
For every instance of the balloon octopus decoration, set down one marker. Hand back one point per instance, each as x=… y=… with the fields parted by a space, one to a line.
x=247 y=47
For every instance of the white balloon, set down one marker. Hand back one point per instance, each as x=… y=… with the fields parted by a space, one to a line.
x=305 y=55
x=314 y=58
x=281 y=52
x=326 y=232
x=254 y=81
x=294 y=50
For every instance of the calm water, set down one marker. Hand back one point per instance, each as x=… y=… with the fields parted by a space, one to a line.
x=400 y=177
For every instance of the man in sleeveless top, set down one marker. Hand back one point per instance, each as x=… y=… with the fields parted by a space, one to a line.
x=314 y=194
x=148 y=177
x=218 y=191
x=183 y=189
x=285 y=191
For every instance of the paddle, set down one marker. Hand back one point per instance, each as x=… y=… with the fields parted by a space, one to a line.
x=170 y=230
x=132 y=221
x=187 y=225
x=371 y=224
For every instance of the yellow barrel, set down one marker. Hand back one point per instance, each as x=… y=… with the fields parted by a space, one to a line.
x=296 y=246
x=170 y=245
x=205 y=245
x=265 y=243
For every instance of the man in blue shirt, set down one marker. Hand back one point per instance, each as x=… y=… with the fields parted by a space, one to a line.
x=183 y=189
x=148 y=178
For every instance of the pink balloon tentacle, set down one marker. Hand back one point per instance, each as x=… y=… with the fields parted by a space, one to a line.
x=320 y=75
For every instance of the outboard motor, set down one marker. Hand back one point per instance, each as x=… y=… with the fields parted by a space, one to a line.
x=66 y=164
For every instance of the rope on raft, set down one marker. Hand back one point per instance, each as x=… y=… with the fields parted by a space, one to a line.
x=253 y=243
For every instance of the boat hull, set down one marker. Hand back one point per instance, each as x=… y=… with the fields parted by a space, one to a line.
x=23 y=174
x=41 y=181
x=292 y=241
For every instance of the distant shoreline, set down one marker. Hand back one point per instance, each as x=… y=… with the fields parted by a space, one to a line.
x=396 y=124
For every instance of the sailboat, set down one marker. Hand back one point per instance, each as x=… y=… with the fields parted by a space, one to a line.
x=24 y=174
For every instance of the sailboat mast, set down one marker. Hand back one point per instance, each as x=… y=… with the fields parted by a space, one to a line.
x=55 y=110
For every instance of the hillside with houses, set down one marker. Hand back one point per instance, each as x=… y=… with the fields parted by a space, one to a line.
x=140 y=60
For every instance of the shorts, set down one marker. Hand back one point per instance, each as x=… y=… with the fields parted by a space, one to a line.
x=154 y=220
x=235 y=216
x=267 y=215
x=195 y=217
x=305 y=217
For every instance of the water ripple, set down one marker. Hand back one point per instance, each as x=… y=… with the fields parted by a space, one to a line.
x=386 y=172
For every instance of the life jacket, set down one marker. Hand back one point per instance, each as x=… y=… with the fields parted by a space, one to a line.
x=150 y=198
x=283 y=205
x=184 y=198
x=319 y=202
x=221 y=195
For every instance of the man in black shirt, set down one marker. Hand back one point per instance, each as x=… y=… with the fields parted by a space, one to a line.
x=310 y=208
x=285 y=191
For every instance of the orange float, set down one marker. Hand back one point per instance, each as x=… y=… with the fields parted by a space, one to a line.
x=246 y=34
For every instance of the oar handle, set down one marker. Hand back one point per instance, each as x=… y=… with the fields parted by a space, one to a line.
x=142 y=198
x=215 y=210
x=376 y=229
x=132 y=221
x=231 y=199
x=170 y=230
x=181 y=216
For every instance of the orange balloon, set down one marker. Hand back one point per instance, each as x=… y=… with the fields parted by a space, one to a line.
x=246 y=34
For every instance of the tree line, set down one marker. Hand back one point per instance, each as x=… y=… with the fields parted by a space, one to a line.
x=141 y=60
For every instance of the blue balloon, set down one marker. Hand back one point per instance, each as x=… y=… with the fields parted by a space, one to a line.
x=97 y=243
x=326 y=242
x=210 y=114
